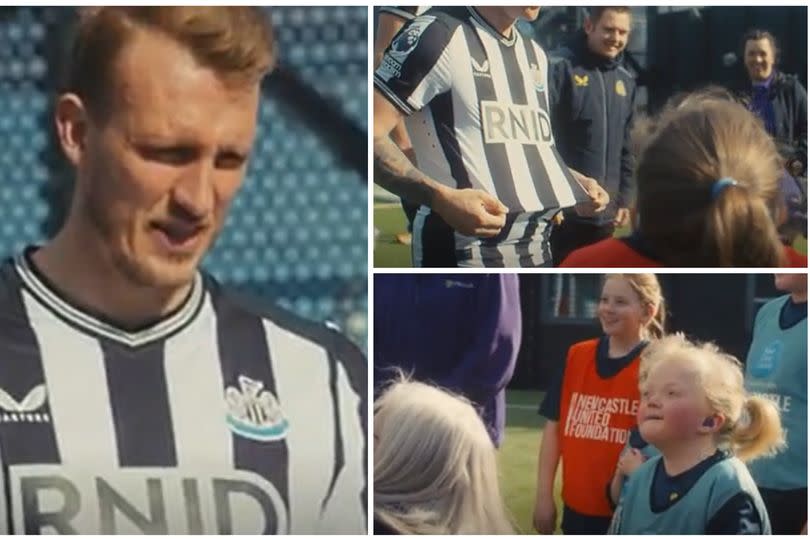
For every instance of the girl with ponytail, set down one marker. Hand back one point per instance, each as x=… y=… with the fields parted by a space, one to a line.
x=708 y=192
x=695 y=410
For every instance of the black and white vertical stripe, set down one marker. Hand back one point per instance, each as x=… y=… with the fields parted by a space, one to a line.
x=476 y=74
x=158 y=409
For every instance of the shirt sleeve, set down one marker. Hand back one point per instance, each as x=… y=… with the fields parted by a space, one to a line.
x=403 y=12
x=550 y=408
x=738 y=516
x=416 y=66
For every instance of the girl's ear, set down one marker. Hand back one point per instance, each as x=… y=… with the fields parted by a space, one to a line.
x=649 y=312
x=712 y=423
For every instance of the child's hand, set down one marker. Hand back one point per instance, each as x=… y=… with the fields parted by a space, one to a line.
x=545 y=515
x=630 y=460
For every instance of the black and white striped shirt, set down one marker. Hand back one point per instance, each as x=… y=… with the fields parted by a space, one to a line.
x=214 y=420
x=478 y=117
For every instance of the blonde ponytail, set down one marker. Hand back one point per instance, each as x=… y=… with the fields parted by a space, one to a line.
x=758 y=432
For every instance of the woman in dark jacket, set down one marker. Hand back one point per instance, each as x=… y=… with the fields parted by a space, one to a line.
x=778 y=99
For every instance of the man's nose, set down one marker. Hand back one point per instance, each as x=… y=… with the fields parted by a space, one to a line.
x=194 y=192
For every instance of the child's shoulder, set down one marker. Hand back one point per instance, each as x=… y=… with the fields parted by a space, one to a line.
x=583 y=348
x=731 y=470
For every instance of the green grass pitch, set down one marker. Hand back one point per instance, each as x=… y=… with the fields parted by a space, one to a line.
x=389 y=220
x=517 y=458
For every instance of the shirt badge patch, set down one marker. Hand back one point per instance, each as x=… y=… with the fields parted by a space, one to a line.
x=406 y=41
x=580 y=80
x=254 y=412
x=620 y=89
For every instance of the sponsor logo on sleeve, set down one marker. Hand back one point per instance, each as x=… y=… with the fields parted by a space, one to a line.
x=402 y=46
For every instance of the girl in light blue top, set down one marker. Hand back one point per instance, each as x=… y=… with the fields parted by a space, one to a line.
x=695 y=410
x=777 y=369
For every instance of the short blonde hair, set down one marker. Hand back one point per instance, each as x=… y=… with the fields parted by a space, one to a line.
x=236 y=42
x=435 y=469
x=648 y=290
x=752 y=427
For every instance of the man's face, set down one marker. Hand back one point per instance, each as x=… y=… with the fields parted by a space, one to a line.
x=157 y=175
x=759 y=59
x=608 y=36
x=528 y=13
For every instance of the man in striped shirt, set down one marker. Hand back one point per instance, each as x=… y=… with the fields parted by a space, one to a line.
x=475 y=96
x=136 y=396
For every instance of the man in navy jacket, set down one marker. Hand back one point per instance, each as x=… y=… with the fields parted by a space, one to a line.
x=591 y=98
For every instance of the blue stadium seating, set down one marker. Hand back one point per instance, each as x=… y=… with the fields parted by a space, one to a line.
x=296 y=231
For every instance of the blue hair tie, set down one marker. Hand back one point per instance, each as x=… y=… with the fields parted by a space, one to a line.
x=719 y=185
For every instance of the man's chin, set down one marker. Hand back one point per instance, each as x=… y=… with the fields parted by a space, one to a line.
x=160 y=271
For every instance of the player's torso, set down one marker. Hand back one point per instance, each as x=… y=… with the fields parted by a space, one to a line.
x=179 y=429
x=492 y=129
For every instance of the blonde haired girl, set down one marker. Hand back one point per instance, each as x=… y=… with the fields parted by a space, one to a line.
x=592 y=406
x=695 y=410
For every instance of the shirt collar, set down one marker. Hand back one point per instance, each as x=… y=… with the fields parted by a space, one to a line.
x=477 y=17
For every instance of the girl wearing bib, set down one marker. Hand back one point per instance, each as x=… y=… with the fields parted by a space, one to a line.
x=695 y=410
x=593 y=405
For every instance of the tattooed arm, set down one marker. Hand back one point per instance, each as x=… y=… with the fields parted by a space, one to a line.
x=469 y=211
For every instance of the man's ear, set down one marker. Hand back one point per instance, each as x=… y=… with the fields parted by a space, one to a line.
x=588 y=25
x=71 y=126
